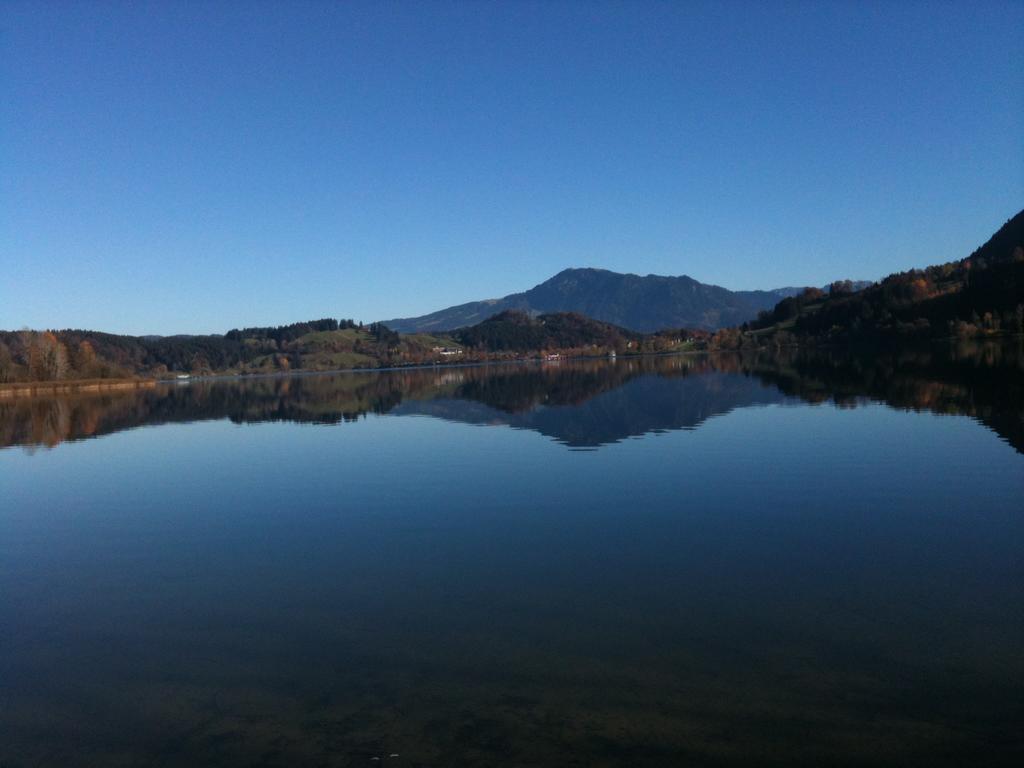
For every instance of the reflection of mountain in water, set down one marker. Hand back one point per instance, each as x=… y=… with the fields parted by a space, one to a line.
x=641 y=405
x=585 y=403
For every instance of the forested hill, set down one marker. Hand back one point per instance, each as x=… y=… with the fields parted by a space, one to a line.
x=517 y=331
x=325 y=344
x=980 y=295
x=639 y=303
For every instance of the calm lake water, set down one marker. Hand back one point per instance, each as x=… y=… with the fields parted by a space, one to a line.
x=643 y=562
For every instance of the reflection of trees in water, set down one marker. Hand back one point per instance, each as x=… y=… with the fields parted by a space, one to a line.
x=48 y=420
x=984 y=381
x=584 y=402
x=324 y=399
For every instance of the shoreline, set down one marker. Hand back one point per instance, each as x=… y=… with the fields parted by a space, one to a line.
x=70 y=386
x=415 y=367
x=73 y=386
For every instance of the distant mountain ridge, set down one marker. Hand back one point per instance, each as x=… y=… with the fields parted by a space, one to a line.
x=638 y=303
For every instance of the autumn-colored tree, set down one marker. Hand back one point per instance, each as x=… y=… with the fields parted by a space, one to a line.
x=811 y=294
x=32 y=349
x=47 y=357
x=57 y=361
x=919 y=289
x=199 y=364
x=84 y=360
x=7 y=369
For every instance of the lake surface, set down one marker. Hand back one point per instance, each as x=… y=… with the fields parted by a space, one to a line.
x=644 y=562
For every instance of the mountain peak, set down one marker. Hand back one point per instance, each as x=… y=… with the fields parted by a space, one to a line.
x=639 y=303
x=602 y=272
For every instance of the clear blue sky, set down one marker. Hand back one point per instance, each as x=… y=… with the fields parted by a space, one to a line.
x=190 y=167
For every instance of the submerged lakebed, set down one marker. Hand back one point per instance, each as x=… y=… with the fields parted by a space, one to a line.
x=688 y=560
